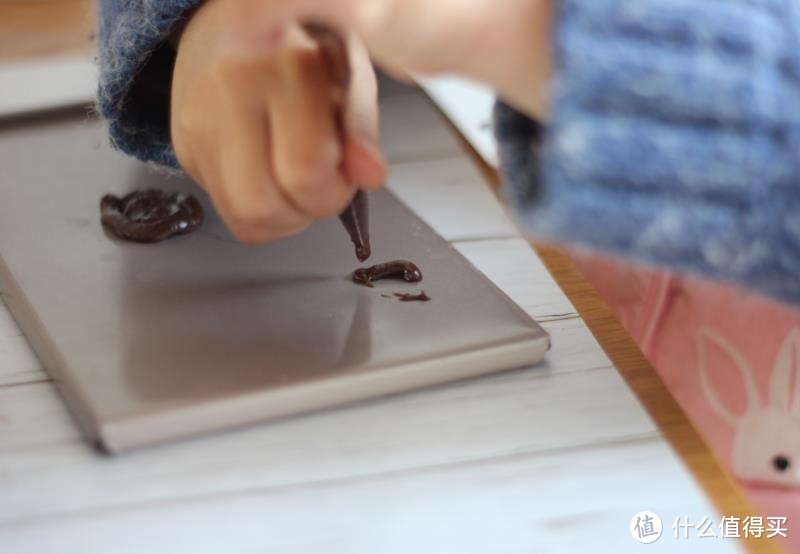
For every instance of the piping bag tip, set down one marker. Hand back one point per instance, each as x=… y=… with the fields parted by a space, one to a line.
x=362 y=253
x=355 y=219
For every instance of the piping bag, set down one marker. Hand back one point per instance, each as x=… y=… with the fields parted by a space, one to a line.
x=355 y=217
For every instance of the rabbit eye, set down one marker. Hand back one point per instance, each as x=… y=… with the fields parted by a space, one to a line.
x=781 y=463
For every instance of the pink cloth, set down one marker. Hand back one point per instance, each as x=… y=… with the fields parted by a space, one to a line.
x=732 y=361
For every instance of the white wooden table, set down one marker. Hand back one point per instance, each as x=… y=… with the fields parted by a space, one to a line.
x=555 y=458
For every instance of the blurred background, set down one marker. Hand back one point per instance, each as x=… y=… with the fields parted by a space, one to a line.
x=46 y=54
x=36 y=28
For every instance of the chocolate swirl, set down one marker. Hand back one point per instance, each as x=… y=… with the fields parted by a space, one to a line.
x=150 y=215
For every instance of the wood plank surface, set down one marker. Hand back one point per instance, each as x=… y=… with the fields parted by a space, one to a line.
x=521 y=504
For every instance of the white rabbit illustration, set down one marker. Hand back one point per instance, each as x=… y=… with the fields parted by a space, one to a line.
x=766 y=444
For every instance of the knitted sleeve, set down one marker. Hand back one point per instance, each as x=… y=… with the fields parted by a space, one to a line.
x=136 y=63
x=674 y=138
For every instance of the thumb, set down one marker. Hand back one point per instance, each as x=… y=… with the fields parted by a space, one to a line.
x=363 y=162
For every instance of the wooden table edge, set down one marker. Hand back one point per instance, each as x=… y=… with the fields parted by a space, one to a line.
x=642 y=378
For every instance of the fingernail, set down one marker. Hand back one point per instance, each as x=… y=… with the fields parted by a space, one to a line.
x=377 y=164
x=366 y=164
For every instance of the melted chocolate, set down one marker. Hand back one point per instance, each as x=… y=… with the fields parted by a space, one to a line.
x=421 y=297
x=151 y=215
x=399 y=269
x=356 y=220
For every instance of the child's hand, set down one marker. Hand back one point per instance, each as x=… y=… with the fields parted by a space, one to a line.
x=505 y=44
x=254 y=121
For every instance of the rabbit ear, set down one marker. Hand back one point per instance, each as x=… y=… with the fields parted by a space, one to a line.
x=705 y=338
x=783 y=392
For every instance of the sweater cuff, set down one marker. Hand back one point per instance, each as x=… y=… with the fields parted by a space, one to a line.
x=672 y=139
x=136 y=64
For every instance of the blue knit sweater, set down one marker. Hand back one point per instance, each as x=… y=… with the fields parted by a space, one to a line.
x=674 y=139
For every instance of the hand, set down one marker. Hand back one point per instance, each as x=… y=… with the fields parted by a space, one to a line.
x=505 y=44
x=254 y=121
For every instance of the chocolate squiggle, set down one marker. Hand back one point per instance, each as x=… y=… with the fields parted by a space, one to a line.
x=398 y=269
x=404 y=297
